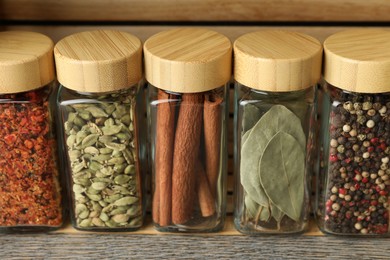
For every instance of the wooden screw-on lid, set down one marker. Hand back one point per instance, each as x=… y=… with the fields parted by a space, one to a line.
x=188 y=60
x=277 y=61
x=358 y=60
x=26 y=61
x=98 y=61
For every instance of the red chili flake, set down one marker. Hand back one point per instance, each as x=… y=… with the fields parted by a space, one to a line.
x=348 y=160
x=333 y=158
x=29 y=188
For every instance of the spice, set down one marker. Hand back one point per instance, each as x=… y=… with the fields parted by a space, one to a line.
x=187 y=174
x=364 y=163
x=103 y=159
x=212 y=134
x=29 y=188
x=162 y=199
x=185 y=154
x=277 y=135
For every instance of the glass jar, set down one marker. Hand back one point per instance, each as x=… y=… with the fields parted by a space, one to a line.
x=100 y=115
x=276 y=73
x=353 y=183
x=188 y=72
x=30 y=193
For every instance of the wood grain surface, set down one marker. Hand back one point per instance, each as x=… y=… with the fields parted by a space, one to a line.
x=121 y=246
x=27 y=64
x=99 y=61
x=144 y=32
x=277 y=61
x=185 y=60
x=195 y=10
x=358 y=60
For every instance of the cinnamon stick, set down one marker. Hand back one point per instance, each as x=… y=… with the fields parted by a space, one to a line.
x=206 y=199
x=186 y=152
x=212 y=138
x=165 y=128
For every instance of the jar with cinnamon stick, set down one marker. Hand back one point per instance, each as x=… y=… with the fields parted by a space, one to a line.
x=353 y=183
x=100 y=111
x=30 y=192
x=276 y=75
x=188 y=71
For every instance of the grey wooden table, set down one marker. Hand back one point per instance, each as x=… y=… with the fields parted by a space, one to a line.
x=118 y=246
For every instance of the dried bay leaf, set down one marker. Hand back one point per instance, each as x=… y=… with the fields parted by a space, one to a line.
x=254 y=141
x=277 y=214
x=282 y=169
x=250 y=117
x=254 y=209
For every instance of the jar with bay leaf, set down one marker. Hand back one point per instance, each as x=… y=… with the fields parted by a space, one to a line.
x=188 y=71
x=353 y=182
x=276 y=73
x=101 y=114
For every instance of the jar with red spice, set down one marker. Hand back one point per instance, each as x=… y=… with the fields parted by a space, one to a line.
x=30 y=194
x=354 y=173
x=100 y=111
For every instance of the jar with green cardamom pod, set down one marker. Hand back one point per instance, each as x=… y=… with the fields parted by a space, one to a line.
x=100 y=113
x=275 y=73
x=353 y=181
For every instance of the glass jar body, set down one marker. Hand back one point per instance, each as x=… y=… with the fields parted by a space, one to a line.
x=103 y=155
x=188 y=159
x=30 y=190
x=274 y=149
x=353 y=179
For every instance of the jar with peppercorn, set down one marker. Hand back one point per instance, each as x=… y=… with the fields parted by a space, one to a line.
x=354 y=175
x=30 y=193
x=100 y=110
x=276 y=74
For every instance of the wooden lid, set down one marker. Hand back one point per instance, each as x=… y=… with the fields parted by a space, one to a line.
x=188 y=60
x=277 y=61
x=26 y=61
x=358 y=60
x=99 y=61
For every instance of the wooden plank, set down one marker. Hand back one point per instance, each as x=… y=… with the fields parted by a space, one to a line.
x=144 y=32
x=148 y=229
x=123 y=246
x=196 y=10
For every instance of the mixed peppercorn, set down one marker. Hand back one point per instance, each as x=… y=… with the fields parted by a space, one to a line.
x=29 y=188
x=358 y=185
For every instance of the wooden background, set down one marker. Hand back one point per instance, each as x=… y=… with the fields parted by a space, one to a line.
x=233 y=18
